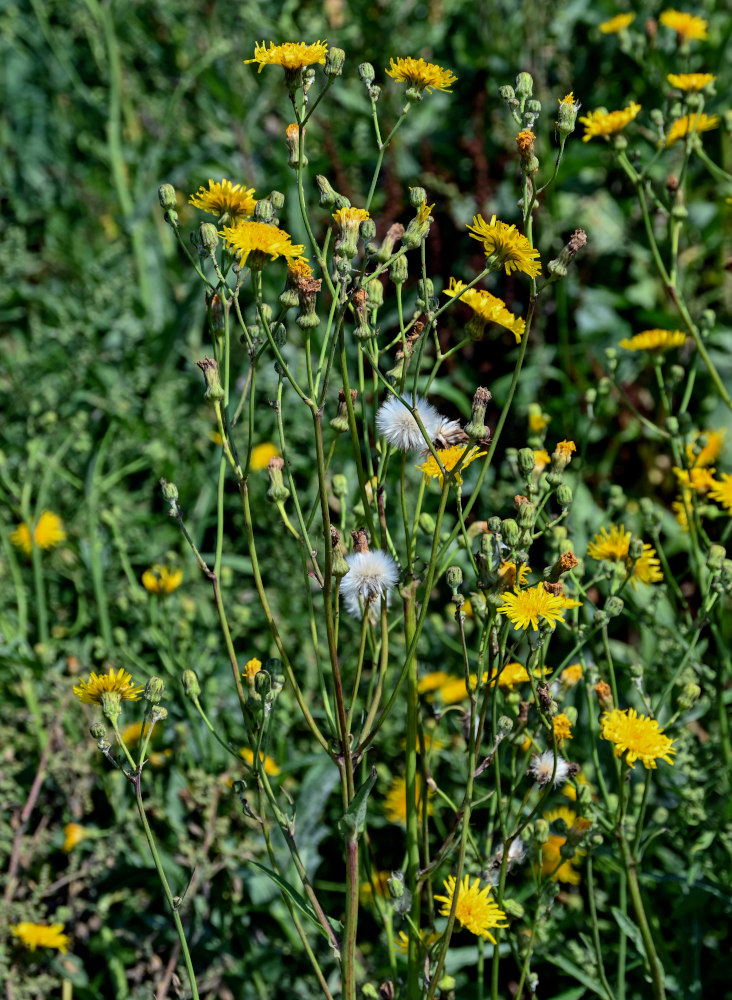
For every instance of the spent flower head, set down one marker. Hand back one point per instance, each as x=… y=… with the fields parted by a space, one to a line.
x=474 y=908
x=371 y=576
x=639 y=735
x=548 y=767
x=398 y=425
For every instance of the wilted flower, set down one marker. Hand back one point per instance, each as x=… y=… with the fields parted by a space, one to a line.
x=371 y=575
x=542 y=768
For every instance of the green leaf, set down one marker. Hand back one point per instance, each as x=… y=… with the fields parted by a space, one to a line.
x=630 y=930
x=351 y=824
x=579 y=974
x=298 y=900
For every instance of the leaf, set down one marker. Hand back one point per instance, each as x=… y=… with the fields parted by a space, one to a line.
x=351 y=824
x=298 y=900
x=630 y=930
x=579 y=974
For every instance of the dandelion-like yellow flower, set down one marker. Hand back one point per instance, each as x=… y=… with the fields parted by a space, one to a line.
x=654 y=340
x=449 y=458
x=695 y=123
x=401 y=944
x=48 y=533
x=526 y=607
x=486 y=308
x=525 y=140
x=261 y=454
x=562 y=728
x=509 y=575
x=538 y=420
x=604 y=123
x=270 y=766
x=120 y=683
x=506 y=245
x=74 y=833
x=161 y=580
x=565 y=449
x=225 y=198
x=690 y=81
x=261 y=241
x=420 y=75
x=542 y=458
x=251 y=669
x=722 y=491
x=618 y=23
x=710 y=452
x=291 y=56
x=639 y=735
x=686 y=26
x=552 y=864
x=474 y=909
x=132 y=734
x=395 y=800
x=510 y=676
x=41 y=936
x=571 y=675
x=697 y=478
x=614 y=546
x=299 y=268
x=432 y=681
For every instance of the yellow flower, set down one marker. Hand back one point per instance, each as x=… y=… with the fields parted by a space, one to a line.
x=486 y=308
x=551 y=858
x=420 y=75
x=654 y=340
x=710 y=452
x=270 y=767
x=698 y=479
x=526 y=607
x=432 y=681
x=49 y=532
x=225 y=198
x=401 y=944
x=722 y=491
x=639 y=735
x=562 y=728
x=395 y=800
x=571 y=675
x=41 y=936
x=261 y=454
x=376 y=888
x=695 y=123
x=686 y=26
x=91 y=692
x=690 y=81
x=538 y=420
x=251 y=669
x=291 y=56
x=449 y=458
x=602 y=122
x=507 y=245
x=474 y=910
x=618 y=23
x=262 y=240
x=132 y=734
x=74 y=833
x=510 y=676
x=161 y=580
x=614 y=546
x=542 y=458
x=565 y=449
x=508 y=576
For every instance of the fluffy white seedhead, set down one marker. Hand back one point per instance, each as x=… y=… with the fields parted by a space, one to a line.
x=370 y=576
x=398 y=426
x=448 y=433
x=542 y=768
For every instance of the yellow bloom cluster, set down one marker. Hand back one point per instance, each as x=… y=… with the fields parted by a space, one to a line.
x=161 y=580
x=291 y=56
x=691 y=123
x=686 y=26
x=618 y=23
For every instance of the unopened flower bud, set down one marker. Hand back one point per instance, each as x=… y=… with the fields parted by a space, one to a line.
x=158 y=714
x=307 y=290
x=191 y=685
x=339 y=422
x=635 y=549
x=334 y=61
x=399 y=270
x=277 y=492
x=614 y=606
x=564 y=496
x=524 y=85
x=166 y=196
x=427 y=524
x=507 y=92
x=417 y=196
x=689 y=696
x=366 y=72
x=264 y=211
x=454 y=577
x=292 y=139
x=604 y=696
x=154 y=690
x=526 y=461
x=526 y=515
x=98 y=731
x=513 y=908
x=208 y=238
x=476 y=427
x=170 y=493
x=559 y=265
x=541 y=831
x=214 y=389
x=367 y=230
x=505 y=726
x=715 y=557
x=510 y=532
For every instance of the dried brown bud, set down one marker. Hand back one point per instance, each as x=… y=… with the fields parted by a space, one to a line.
x=360 y=540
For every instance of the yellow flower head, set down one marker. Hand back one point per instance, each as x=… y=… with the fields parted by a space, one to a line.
x=526 y=607
x=510 y=676
x=542 y=458
x=695 y=123
x=261 y=454
x=225 y=198
x=525 y=140
x=291 y=56
x=120 y=683
x=610 y=545
x=562 y=728
x=565 y=448
x=299 y=268
x=509 y=575
x=654 y=340
x=261 y=241
x=161 y=580
x=538 y=420
x=686 y=26
x=74 y=833
x=639 y=735
x=710 y=452
x=251 y=669
x=571 y=675
x=553 y=865
x=270 y=767
x=690 y=81
x=449 y=458
x=506 y=245
x=603 y=122
x=722 y=491
x=474 y=909
x=49 y=532
x=133 y=733
x=395 y=800
x=698 y=478
x=618 y=23
x=420 y=75
x=41 y=936
x=486 y=308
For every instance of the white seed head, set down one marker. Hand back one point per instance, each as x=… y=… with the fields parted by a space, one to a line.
x=370 y=576
x=542 y=768
x=396 y=423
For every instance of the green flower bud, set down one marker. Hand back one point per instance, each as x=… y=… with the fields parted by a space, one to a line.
x=367 y=230
x=510 y=532
x=191 y=685
x=689 y=696
x=334 y=61
x=277 y=492
x=98 y=731
x=454 y=577
x=158 y=714
x=417 y=196
x=493 y=526
x=564 y=496
x=166 y=196
x=513 y=908
x=169 y=491
x=524 y=85
x=399 y=270
x=614 y=606
x=476 y=427
x=154 y=690
x=264 y=211
x=327 y=194
x=541 y=831
x=214 y=390
x=366 y=72
x=427 y=524
x=715 y=557
x=526 y=461
x=208 y=238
